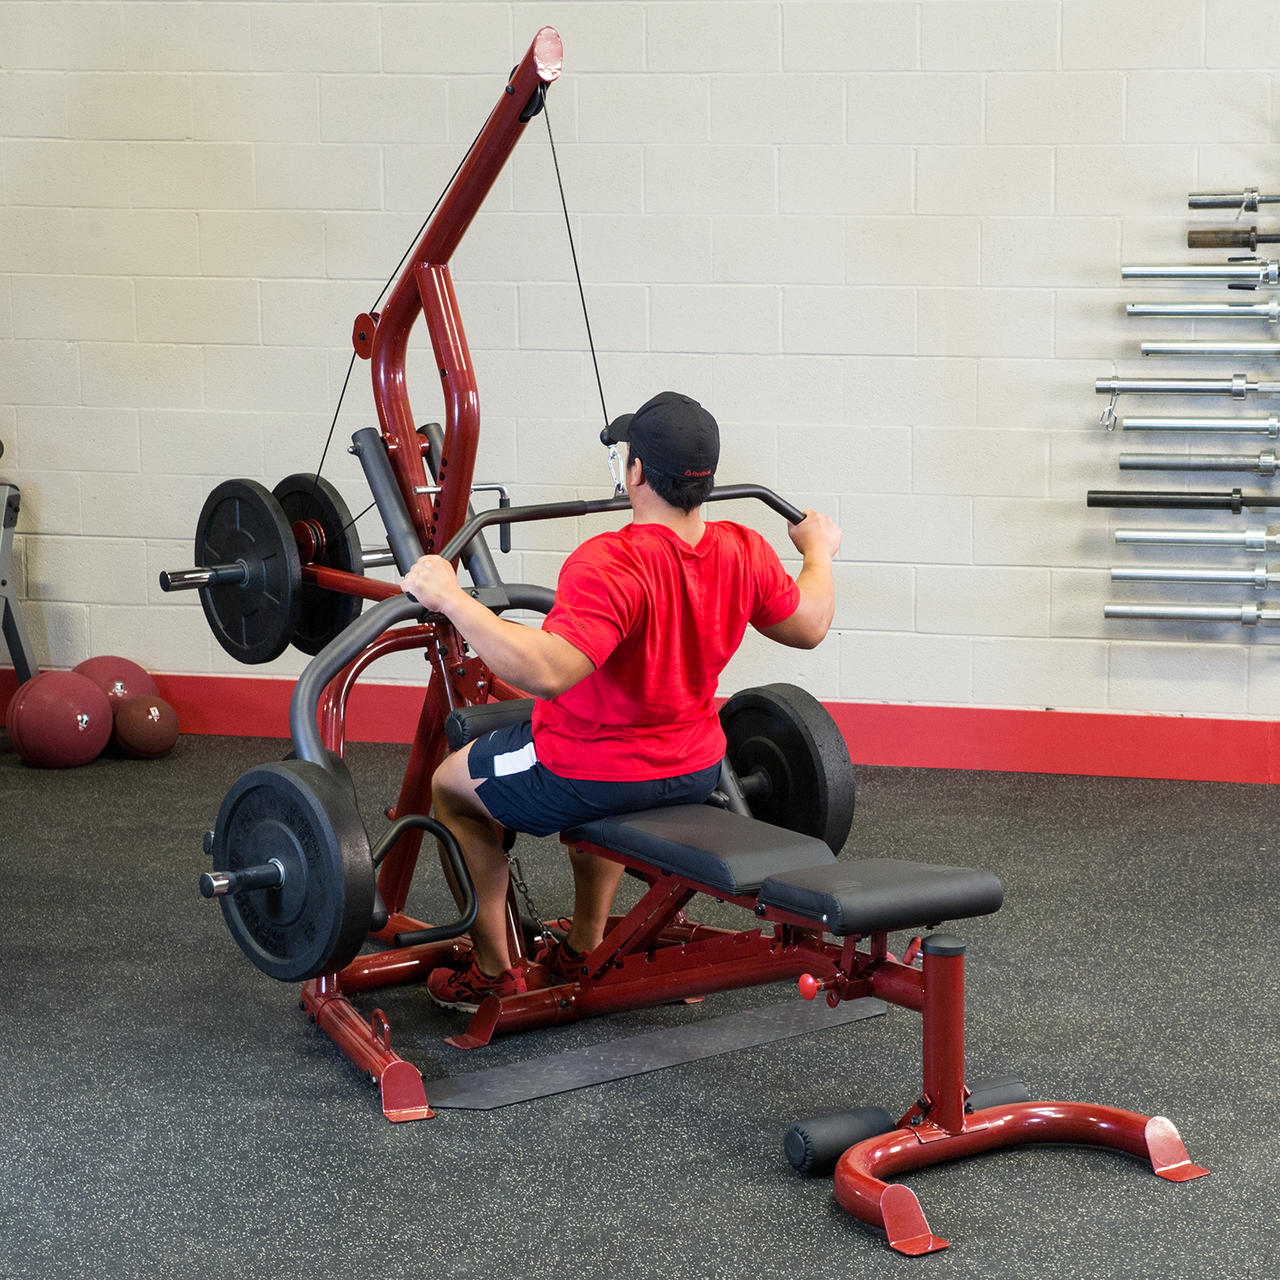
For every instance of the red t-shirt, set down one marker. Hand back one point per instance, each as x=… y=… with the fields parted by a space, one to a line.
x=659 y=619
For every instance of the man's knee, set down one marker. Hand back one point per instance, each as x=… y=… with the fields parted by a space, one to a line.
x=453 y=776
x=453 y=789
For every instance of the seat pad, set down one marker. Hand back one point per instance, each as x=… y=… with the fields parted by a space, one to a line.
x=730 y=854
x=873 y=895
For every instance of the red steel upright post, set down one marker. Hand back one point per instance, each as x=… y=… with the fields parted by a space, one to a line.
x=944 y=1031
x=425 y=284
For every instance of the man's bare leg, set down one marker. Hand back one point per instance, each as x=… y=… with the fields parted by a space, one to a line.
x=453 y=792
x=595 y=882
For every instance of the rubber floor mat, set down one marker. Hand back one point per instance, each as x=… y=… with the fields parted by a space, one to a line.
x=636 y=1055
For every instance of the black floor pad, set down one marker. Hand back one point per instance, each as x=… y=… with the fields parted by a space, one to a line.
x=636 y=1055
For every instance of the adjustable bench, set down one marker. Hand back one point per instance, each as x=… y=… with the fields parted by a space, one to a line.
x=818 y=920
x=654 y=954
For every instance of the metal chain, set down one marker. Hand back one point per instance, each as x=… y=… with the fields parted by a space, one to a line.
x=516 y=873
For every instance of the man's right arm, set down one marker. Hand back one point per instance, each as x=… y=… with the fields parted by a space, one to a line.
x=818 y=539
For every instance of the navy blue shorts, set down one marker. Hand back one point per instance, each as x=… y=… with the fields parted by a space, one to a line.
x=526 y=796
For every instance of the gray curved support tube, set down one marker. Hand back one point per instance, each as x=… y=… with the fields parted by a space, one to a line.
x=328 y=662
x=307 y=693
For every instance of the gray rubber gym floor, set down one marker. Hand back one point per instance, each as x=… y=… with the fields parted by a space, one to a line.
x=167 y=1111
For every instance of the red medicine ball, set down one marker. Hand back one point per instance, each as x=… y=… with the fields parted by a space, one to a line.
x=118 y=678
x=146 y=727
x=58 y=719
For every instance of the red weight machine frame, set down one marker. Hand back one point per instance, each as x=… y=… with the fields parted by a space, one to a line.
x=654 y=954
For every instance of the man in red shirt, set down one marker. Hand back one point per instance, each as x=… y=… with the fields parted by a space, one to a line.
x=625 y=670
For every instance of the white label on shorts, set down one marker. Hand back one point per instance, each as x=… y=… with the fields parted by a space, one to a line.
x=515 y=761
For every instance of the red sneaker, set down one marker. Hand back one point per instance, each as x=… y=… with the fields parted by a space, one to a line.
x=465 y=988
x=563 y=963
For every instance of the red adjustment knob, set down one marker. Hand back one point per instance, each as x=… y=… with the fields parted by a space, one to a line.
x=809 y=986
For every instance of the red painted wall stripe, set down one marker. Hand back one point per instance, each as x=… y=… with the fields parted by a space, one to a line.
x=1101 y=743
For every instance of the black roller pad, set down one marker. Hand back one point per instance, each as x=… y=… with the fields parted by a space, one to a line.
x=814 y=1145
x=466 y=724
x=875 y=896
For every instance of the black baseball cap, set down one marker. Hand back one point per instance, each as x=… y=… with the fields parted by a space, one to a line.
x=673 y=433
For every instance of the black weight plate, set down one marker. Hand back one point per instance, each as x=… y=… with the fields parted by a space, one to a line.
x=303 y=816
x=240 y=520
x=789 y=734
x=325 y=614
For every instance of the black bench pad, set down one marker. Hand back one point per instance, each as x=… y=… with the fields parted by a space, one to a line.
x=875 y=895
x=728 y=853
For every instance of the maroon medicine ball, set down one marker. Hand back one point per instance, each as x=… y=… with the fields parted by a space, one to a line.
x=118 y=678
x=58 y=719
x=146 y=727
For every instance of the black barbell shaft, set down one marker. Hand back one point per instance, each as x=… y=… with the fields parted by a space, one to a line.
x=217 y=575
x=1235 y=501
x=268 y=875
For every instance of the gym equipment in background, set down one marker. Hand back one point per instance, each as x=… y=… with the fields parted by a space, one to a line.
x=300 y=887
x=11 y=623
x=145 y=727
x=118 y=678
x=58 y=720
x=1239 y=273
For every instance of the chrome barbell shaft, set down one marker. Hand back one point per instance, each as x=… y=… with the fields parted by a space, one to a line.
x=1263 y=464
x=1247 y=201
x=217 y=575
x=1247 y=615
x=1259 y=539
x=1237 y=386
x=1266 y=350
x=1208 y=310
x=1250 y=272
x=1258 y=577
x=1223 y=426
x=268 y=875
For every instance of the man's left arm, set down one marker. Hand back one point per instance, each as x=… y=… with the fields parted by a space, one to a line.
x=540 y=662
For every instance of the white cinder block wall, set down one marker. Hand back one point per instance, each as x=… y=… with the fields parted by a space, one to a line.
x=881 y=241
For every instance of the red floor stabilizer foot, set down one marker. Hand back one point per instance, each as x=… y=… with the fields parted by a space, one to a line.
x=1168 y=1155
x=904 y=1222
x=403 y=1097
x=480 y=1029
